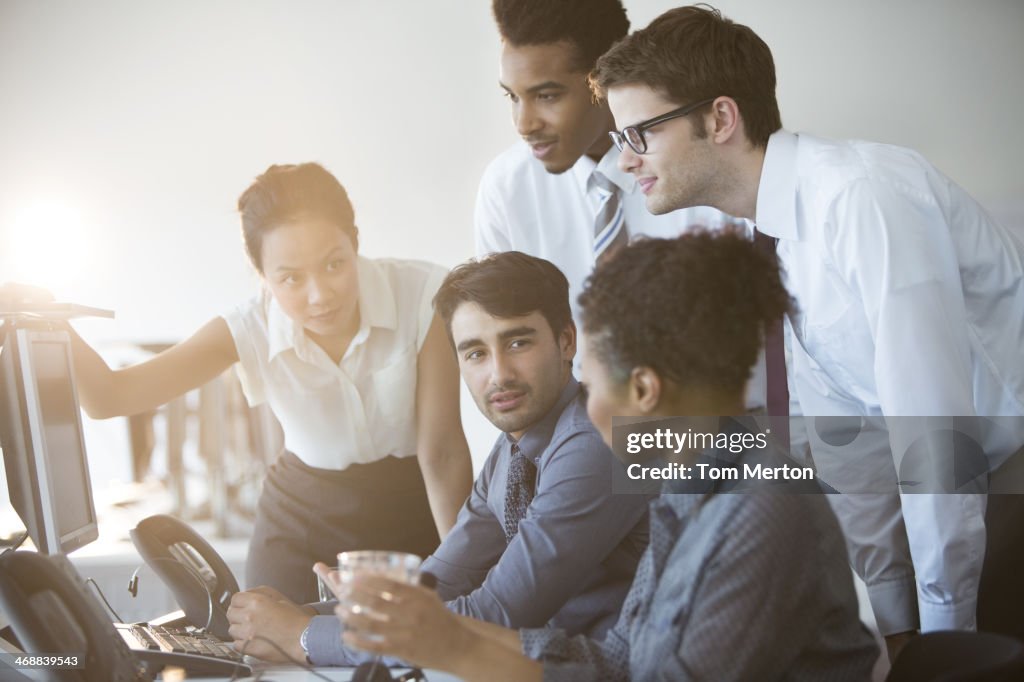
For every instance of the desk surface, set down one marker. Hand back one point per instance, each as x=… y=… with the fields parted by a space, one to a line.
x=297 y=674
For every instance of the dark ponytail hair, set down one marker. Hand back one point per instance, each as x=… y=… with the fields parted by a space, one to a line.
x=693 y=309
x=288 y=192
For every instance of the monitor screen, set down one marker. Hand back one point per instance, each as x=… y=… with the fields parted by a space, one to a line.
x=44 y=452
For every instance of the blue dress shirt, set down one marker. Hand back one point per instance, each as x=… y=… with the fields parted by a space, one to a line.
x=734 y=586
x=572 y=562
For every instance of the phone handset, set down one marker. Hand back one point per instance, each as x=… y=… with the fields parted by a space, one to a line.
x=207 y=622
x=52 y=612
x=198 y=577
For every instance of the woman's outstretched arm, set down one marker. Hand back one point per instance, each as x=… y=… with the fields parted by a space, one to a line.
x=106 y=392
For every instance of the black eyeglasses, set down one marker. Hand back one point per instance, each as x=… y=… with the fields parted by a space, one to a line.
x=634 y=135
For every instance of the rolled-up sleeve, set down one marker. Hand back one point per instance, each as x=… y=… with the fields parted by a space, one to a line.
x=323 y=642
x=580 y=658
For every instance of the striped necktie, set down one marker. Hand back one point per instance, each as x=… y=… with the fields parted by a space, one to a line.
x=519 y=488
x=609 y=223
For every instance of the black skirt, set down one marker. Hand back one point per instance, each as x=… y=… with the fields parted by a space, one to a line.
x=307 y=515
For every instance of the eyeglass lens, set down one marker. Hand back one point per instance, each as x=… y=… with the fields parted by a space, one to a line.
x=636 y=140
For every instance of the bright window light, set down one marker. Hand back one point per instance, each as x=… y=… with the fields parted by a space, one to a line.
x=49 y=246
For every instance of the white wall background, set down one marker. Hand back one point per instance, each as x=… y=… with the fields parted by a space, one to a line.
x=128 y=128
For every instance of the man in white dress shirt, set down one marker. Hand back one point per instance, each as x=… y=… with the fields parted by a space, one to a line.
x=559 y=193
x=910 y=303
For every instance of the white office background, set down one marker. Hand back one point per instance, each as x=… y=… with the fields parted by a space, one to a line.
x=128 y=128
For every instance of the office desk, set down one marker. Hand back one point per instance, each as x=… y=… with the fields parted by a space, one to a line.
x=297 y=674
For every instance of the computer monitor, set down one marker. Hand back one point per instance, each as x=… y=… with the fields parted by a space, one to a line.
x=41 y=438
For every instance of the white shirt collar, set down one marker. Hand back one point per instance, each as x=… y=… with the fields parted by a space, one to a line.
x=376 y=298
x=376 y=309
x=585 y=166
x=775 y=214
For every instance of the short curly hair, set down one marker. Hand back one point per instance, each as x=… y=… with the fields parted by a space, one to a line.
x=591 y=25
x=693 y=309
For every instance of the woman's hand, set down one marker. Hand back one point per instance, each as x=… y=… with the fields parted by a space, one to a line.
x=384 y=616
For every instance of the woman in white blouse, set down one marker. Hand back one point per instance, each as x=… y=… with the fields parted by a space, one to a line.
x=350 y=357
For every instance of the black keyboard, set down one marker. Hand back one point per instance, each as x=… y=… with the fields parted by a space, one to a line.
x=199 y=653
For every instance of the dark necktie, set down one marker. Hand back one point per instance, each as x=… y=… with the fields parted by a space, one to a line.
x=522 y=476
x=775 y=359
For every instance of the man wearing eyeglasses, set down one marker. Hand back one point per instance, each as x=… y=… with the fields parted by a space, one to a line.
x=558 y=194
x=910 y=303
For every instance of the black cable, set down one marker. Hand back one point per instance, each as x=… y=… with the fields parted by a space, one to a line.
x=306 y=666
x=133 y=584
x=417 y=674
x=110 y=608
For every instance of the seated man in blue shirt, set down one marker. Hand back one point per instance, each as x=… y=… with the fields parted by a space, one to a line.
x=541 y=540
x=739 y=582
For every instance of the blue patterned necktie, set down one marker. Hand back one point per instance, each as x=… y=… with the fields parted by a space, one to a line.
x=522 y=477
